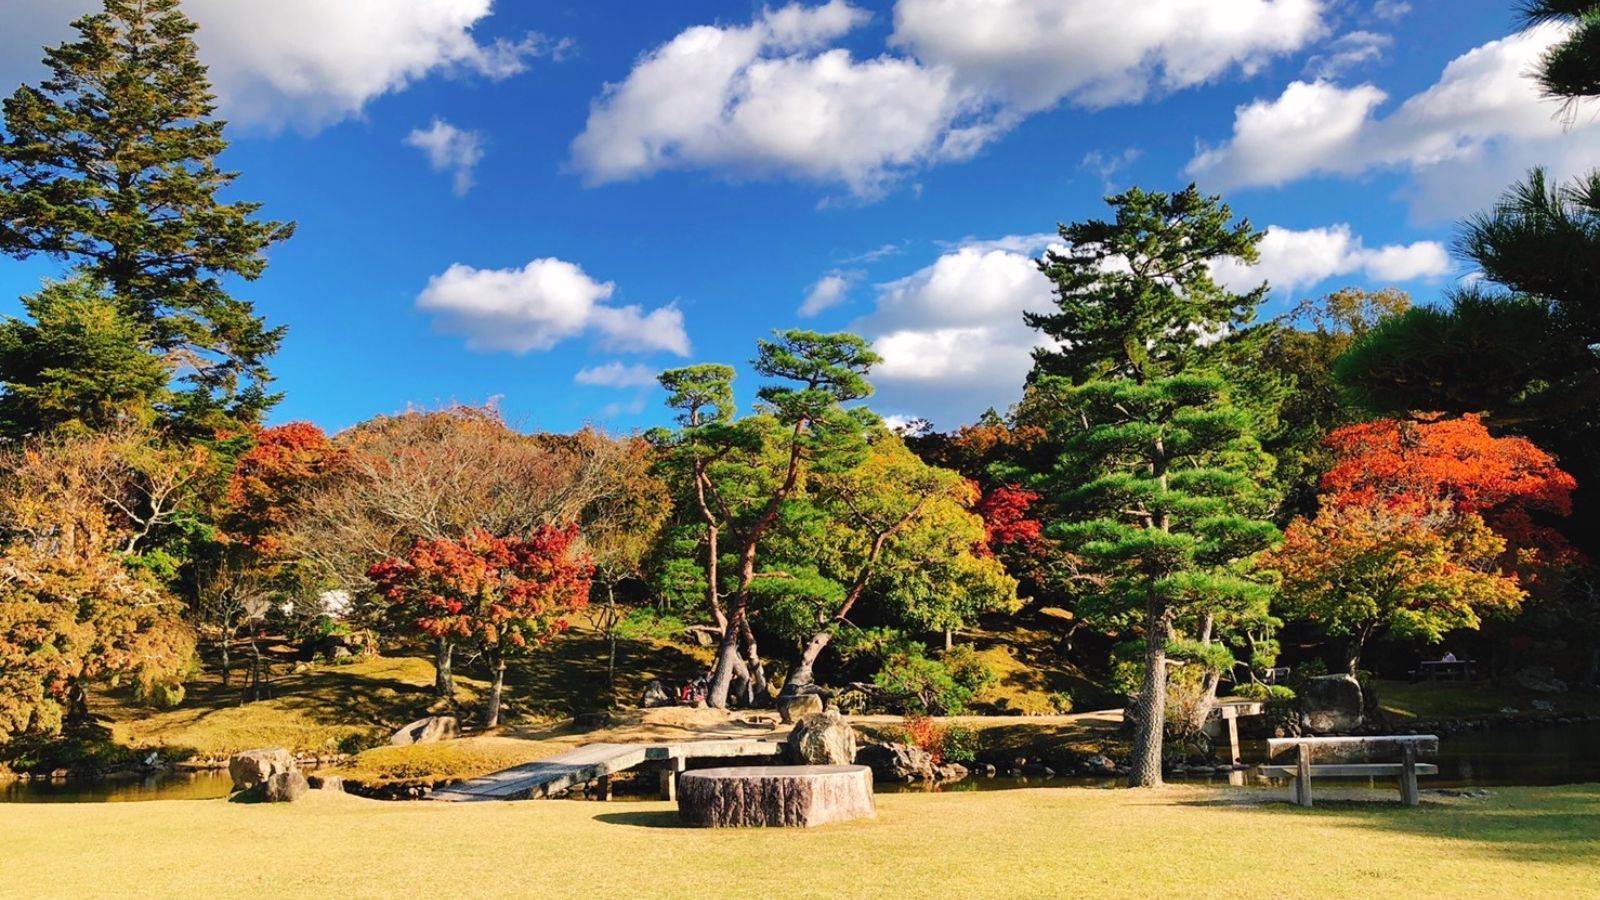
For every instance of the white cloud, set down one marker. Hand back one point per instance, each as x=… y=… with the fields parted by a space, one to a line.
x=830 y=290
x=542 y=304
x=308 y=63
x=1355 y=50
x=1390 y=10
x=1032 y=54
x=1482 y=123
x=1107 y=165
x=617 y=375
x=770 y=98
x=1292 y=260
x=951 y=335
x=776 y=97
x=450 y=149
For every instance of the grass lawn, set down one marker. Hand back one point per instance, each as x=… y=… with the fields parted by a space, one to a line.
x=1426 y=700
x=1032 y=843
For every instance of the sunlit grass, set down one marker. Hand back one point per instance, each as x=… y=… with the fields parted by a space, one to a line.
x=1036 y=843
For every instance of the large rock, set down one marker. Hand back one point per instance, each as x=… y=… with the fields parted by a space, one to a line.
x=286 y=787
x=896 y=762
x=1330 y=703
x=823 y=739
x=427 y=731
x=654 y=696
x=1542 y=679
x=253 y=767
x=796 y=707
x=789 y=796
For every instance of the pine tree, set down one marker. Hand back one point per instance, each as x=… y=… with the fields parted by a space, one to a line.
x=111 y=164
x=80 y=363
x=1571 y=69
x=1159 y=488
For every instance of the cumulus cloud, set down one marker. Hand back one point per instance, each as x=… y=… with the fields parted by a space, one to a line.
x=951 y=335
x=1292 y=260
x=830 y=290
x=1034 y=53
x=617 y=375
x=306 y=63
x=1391 y=10
x=542 y=304
x=450 y=149
x=770 y=98
x=776 y=97
x=1484 y=117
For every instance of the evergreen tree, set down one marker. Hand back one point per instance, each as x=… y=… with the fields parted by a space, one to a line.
x=1571 y=69
x=1158 y=489
x=81 y=362
x=111 y=164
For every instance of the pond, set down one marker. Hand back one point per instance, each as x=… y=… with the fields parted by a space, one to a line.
x=1560 y=755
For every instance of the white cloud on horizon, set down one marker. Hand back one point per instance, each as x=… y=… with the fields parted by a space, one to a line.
x=450 y=149
x=302 y=63
x=542 y=304
x=1292 y=260
x=1461 y=140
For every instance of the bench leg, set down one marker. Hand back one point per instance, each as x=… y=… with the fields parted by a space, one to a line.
x=1302 y=781
x=1409 y=794
x=669 y=779
x=603 y=788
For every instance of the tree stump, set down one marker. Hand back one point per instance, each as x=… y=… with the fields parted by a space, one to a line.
x=786 y=796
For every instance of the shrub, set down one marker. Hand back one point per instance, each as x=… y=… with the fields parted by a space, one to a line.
x=1255 y=690
x=925 y=734
x=960 y=744
x=914 y=683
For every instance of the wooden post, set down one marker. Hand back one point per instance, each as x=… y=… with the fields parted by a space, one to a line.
x=1302 y=781
x=1409 y=795
x=603 y=787
x=1233 y=736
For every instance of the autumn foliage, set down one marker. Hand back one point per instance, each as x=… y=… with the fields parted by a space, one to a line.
x=285 y=461
x=503 y=594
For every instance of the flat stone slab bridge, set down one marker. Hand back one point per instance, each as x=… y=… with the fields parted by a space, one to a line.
x=598 y=762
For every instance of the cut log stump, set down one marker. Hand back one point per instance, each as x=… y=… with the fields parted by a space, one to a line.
x=786 y=796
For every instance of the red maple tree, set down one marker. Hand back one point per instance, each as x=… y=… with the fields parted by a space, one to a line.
x=284 y=462
x=505 y=595
x=1509 y=481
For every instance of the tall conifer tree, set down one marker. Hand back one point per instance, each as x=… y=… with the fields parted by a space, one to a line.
x=111 y=164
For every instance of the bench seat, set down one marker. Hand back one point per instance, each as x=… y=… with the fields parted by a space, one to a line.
x=1349 y=770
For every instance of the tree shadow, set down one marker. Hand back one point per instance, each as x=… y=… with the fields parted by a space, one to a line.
x=1552 y=825
x=644 y=818
x=569 y=675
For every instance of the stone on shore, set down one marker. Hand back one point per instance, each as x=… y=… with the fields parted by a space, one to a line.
x=1330 y=704
x=253 y=767
x=286 y=787
x=793 y=709
x=823 y=739
x=896 y=762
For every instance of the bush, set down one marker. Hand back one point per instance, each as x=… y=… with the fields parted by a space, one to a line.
x=917 y=684
x=1264 y=692
x=943 y=743
x=960 y=744
x=967 y=668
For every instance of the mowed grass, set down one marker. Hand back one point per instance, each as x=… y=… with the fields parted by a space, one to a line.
x=1426 y=700
x=1533 y=842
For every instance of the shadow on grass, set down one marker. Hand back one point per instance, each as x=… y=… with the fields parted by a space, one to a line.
x=569 y=675
x=1552 y=825
x=645 y=818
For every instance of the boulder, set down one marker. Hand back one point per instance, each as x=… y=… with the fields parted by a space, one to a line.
x=950 y=772
x=253 y=767
x=823 y=739
x=655 y=695
x=325 y=783
x=896 y=762
x=286 y=787
x=427 y=731
x=1542 y=679
x=1330 y=703
x=794 y=708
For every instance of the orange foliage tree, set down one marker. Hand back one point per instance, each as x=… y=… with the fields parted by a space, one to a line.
x=285 y=462
x=505 y=595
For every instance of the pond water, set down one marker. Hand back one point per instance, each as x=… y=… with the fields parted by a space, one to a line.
x=1548 y=756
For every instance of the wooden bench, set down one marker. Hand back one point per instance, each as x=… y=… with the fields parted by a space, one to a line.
x=1352 y=757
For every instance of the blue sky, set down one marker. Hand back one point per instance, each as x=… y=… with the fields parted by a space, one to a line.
x=481 y=216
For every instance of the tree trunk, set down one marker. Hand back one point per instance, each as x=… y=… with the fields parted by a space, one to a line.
x=444 y=679
x=491 y=717
x=727 y=660
x=227 y=660
x=949 y=639
x=801 y=675
x=1144 y=770
x=759 y=691
x=611 y=639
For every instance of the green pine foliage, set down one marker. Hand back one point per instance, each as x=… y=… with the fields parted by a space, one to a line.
x=1571 y=69
x=111 y=164
x=77 y=361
